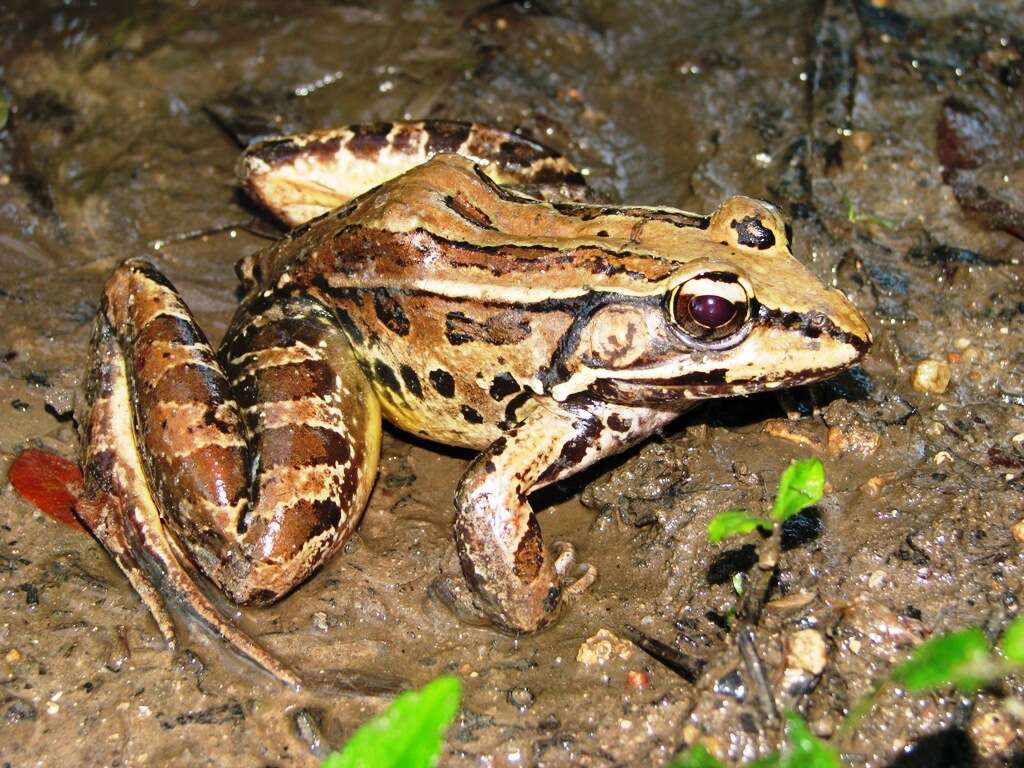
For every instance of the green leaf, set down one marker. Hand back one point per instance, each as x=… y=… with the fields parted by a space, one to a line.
x=801 y=485
x=734 y=522
x=737 y=583
x=804 y=749
x=696 y=756
x=5 y=109
x=1012 y=643
x=772 y=760
x=957 y=658
x=408 y=734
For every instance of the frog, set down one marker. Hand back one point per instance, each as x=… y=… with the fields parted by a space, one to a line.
x=453 y=280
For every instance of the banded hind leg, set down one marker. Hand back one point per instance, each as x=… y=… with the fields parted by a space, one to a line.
x=299 y=177
x=178 y=476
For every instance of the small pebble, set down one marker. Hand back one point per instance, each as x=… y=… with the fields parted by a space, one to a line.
x=731 y=684
x=853 y=438
x=602 y=647
x=520 y=697
x=931 y=376
x=1018 y=531
x=805 y=649
x=992 y=733
x=308 y=727
x=637 y=680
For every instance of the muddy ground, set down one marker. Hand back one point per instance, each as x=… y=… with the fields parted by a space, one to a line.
x=891 y=133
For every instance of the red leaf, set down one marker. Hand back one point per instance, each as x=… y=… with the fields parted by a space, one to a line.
x=48 y=482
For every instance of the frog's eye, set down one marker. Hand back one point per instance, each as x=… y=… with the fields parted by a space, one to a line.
x=711 y=307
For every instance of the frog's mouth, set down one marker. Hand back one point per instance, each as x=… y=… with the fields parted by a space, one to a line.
x=702 y=385
x=780 y=351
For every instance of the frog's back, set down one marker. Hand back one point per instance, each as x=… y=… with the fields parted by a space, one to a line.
x=457 y=294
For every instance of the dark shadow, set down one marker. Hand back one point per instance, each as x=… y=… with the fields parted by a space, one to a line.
x=452 y=451
x=852 y=384
x=946 y=749
x=801 y=529
x=732 y=561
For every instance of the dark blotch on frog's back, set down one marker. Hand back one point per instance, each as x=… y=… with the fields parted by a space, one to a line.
x=276 y=152
x=412 y=381
x=752 y=233
x=445 y=136
x=472 y=415
x=368 y=139
x=348 y=325
x=443 y=382
x=406 y=139
x=617 y=423
x=503 y=385
x=512 y=408
x=386 y=375
x=389 y=311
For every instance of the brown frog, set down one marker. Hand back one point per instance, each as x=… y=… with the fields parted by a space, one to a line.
x=420 y=287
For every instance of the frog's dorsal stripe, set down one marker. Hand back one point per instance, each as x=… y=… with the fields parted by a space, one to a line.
x=674 y=216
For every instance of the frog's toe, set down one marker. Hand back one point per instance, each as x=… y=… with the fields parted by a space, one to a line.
x=567 y=567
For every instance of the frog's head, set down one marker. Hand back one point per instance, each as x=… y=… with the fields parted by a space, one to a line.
x=738 y=315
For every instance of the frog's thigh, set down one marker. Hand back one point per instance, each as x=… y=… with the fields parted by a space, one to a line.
x=121 y=511
x=314 y=430
x=499 y=541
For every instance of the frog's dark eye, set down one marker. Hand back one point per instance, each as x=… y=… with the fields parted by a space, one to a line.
x=709 y=308
x=711 y=311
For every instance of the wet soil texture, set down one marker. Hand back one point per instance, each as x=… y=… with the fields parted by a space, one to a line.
x=892 y=136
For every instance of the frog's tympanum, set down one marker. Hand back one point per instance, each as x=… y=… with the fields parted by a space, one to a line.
x=422 y=285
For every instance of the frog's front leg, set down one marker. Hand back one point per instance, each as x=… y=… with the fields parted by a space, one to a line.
x=517 y=582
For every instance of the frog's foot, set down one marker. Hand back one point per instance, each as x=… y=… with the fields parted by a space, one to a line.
x=299 y=177
x=800 y=403
x=576 y=578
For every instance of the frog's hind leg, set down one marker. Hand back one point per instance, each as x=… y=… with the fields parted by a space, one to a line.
x=301 y=176
x=314 y=428
x=177 y=477
x=121 y=511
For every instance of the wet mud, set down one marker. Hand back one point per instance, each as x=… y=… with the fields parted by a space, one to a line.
x=890 y=133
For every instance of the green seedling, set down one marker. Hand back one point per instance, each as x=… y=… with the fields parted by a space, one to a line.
x=801 y=485
x=962 y=659
x=802 y=750
x=408 y=734
x=853 y=215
